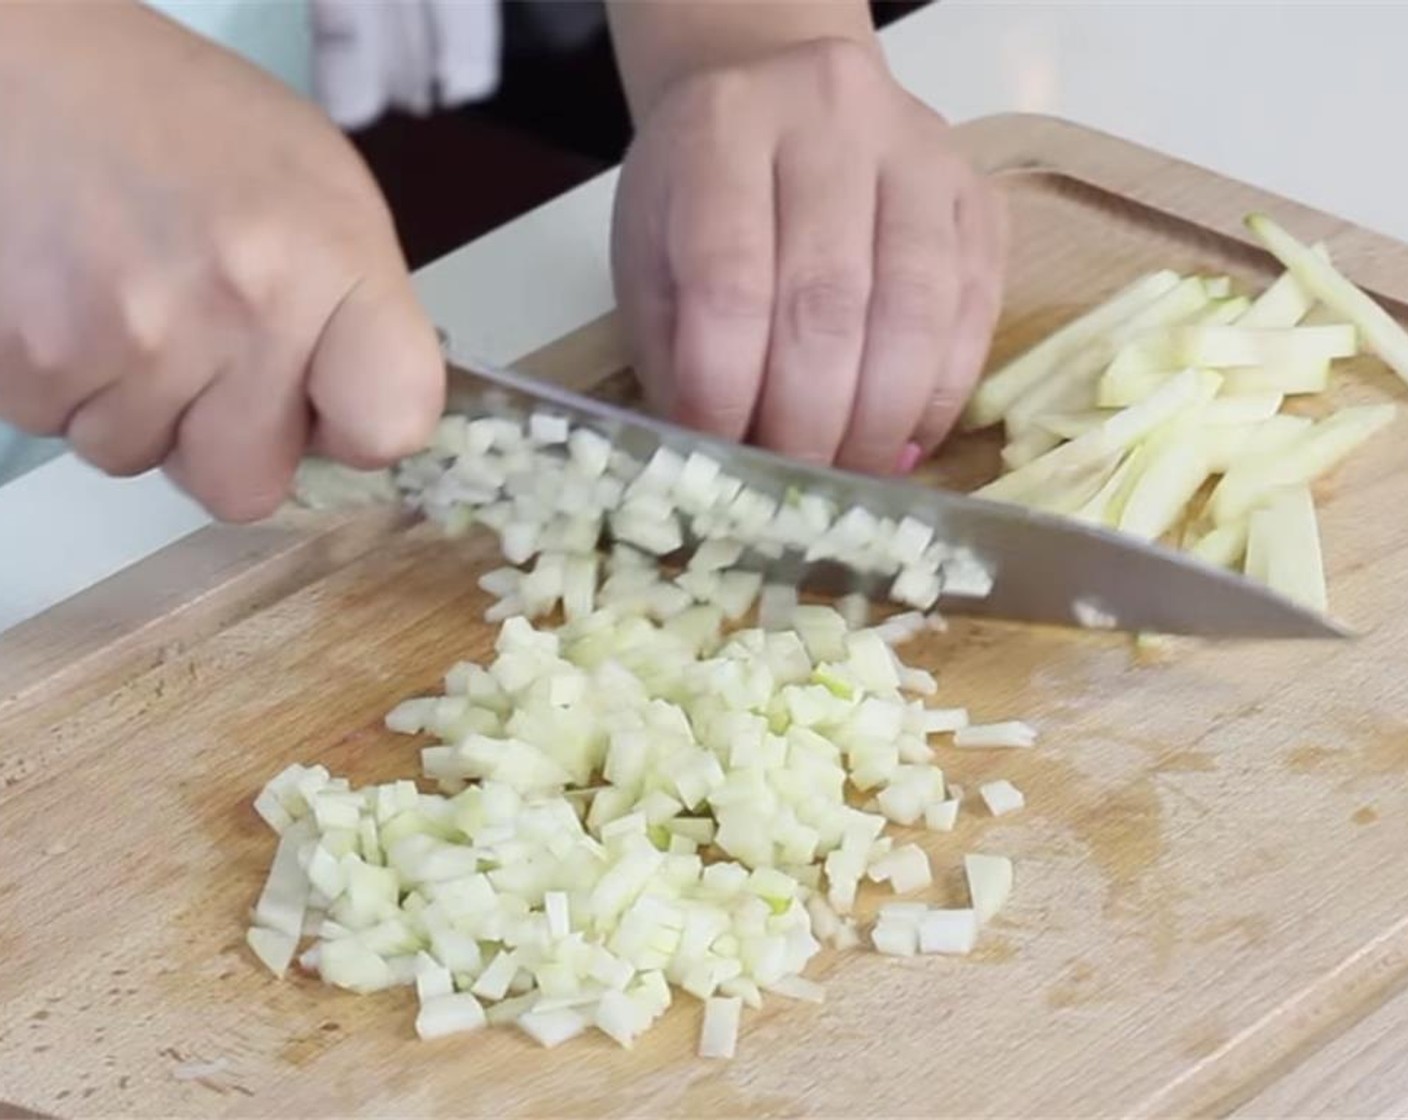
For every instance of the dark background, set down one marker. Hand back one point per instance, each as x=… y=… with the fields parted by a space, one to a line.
x=558 y=119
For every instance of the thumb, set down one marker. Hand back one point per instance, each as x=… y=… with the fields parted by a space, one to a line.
x=376 y=380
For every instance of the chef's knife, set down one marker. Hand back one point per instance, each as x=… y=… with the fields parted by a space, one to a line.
x=1044 y=568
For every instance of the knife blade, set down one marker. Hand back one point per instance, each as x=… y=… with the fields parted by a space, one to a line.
x=1043 y=568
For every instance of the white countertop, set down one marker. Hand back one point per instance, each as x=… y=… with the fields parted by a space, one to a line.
x=1290 y=97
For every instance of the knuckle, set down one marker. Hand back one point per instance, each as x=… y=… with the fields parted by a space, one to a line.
x=45 y=344
x=142 y=309
x=256 y=252
x=914 y=244
x=846 y=72
x=916 y=301
x=831 y=303
x=248 y=262
x=711 y=100
x=726 y=289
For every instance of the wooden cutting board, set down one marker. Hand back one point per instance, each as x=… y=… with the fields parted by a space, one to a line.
x=1211 y=888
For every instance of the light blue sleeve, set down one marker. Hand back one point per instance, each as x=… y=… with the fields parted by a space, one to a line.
x=274 y=34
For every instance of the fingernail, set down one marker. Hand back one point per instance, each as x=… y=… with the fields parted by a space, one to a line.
x=909 y=458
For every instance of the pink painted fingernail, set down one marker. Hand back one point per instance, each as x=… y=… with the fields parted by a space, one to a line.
x=909 y=458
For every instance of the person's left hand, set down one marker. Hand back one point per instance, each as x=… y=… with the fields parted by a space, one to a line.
x=802 y=258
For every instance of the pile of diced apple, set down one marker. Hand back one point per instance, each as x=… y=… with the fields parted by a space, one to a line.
x=625 y=810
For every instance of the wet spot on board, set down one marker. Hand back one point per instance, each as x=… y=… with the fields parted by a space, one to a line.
x=716 y=1093
x=1386 y=750
x=304 y=1048
x=993 y=950
x=1367 y=814
x=1077 y=987
x=1307 y=760
x=1124 y=836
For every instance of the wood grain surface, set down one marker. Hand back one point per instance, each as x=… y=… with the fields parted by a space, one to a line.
x=1211 y=907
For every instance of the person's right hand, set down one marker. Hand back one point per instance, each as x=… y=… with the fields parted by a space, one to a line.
x=196 y=270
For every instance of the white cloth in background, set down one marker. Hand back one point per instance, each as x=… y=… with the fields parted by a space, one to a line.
x=370 y=56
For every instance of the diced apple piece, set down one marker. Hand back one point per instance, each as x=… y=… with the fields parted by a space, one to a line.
x=1305 y=459
x=1009 y=734
x=450 y=1013
x=718 y=1036
x=948 y=931
x=1000 y=390
x=941 y=816
x=989 y=883
x=1283 y=548
x=1220 y=346
x=1380 y=331
x=274 y=948
x=1001 y=797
